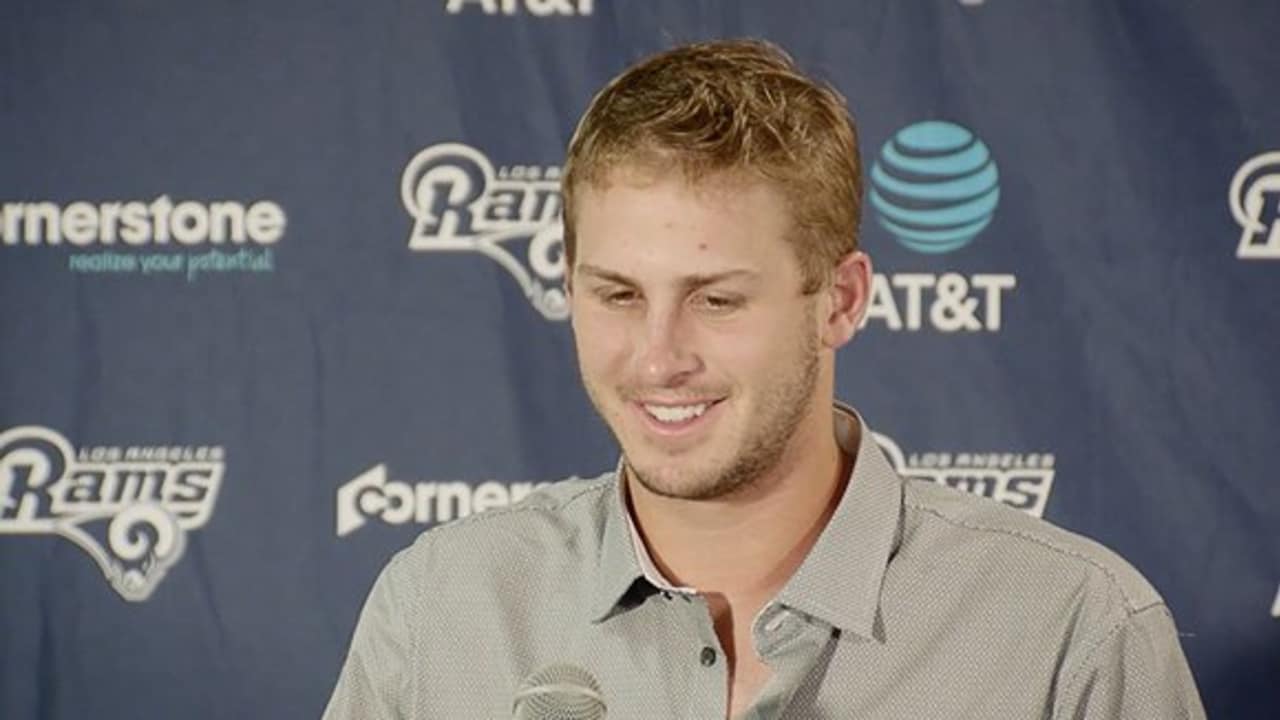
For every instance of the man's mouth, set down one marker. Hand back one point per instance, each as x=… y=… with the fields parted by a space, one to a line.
x=676 y=417
x=675 y=413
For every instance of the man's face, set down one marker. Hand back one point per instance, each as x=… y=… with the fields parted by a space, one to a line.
x=694 y=340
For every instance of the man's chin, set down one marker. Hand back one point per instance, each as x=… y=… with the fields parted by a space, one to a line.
x=678 y=482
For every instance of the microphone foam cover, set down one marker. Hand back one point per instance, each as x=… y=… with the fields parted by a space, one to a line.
x=559 y=692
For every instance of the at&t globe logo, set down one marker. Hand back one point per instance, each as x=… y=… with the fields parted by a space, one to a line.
x=935 y=186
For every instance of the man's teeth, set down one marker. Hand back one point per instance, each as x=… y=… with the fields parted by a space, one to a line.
x=676 y=413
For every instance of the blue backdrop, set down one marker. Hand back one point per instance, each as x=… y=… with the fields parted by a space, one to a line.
x=279 y=289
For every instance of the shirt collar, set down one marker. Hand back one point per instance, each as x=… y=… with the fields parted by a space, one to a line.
x=624 y=559
x=620 y=550
x=839 y=581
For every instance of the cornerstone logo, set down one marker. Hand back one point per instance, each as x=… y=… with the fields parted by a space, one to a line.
x=459 y=202
x=536 y=8
x=934 y=188
x=129 y=508
x=140 y=237
x=371 y=495
x=1255 y=204
x=1020 y=480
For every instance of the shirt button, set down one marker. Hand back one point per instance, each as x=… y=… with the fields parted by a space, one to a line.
x=708 y=656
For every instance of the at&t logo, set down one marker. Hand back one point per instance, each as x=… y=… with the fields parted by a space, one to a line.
x=934 y=188
x=460 y=202
x=129 y=508
x=1255 y=204
x=1020 y=480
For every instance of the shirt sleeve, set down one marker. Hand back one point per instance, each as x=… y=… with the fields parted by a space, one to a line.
x=375 y=682
x=1136 y=672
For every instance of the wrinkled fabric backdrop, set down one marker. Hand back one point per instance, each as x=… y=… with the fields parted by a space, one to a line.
x=280 y=289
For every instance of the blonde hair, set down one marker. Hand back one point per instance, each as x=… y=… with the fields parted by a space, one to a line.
x=740 y=107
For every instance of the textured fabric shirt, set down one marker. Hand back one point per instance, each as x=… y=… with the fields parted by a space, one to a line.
x=916 y=602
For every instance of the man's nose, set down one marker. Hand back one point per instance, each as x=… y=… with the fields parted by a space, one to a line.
x=667 y=356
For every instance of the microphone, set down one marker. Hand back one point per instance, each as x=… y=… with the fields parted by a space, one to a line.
x=559 y=692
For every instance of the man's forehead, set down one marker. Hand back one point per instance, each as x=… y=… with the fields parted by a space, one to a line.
x=644 y=220
x=644 y=172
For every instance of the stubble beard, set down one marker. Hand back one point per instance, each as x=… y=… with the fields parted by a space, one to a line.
x=783 y=408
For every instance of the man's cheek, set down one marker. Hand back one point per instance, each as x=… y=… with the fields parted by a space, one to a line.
x=605 y=349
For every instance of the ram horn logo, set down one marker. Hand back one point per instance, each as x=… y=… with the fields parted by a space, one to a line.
x=131 y=516
x=1019 y=480
x=459 y=202
x=1255 y=204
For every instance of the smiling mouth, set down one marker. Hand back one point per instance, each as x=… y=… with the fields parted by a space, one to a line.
x=675 y=413
x=674 y=417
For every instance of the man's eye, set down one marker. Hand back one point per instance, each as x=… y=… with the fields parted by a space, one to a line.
x=617 y=298
x=720 y=303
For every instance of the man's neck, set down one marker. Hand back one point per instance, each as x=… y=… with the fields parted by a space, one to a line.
x=748 y=545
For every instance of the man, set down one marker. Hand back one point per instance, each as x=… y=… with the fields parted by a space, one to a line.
x=754 y=555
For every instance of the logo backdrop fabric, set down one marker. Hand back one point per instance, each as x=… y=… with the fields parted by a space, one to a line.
x=281 y=288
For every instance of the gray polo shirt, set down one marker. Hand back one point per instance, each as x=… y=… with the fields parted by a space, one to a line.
x=916 y=602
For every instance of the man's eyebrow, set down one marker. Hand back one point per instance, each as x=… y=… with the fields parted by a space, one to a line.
x=603 y=274
x=689 y=282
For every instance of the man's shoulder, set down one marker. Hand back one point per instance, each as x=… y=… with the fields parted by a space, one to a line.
x=1014 y=547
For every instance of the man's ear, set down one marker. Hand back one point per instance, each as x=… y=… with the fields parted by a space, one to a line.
x=847 y=299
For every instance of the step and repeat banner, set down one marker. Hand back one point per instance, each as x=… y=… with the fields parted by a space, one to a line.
x=281 y=287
